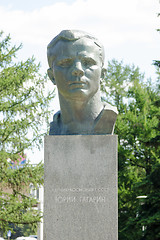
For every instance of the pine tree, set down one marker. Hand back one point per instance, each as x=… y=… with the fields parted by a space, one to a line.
x=24 y=106
x=137 y=127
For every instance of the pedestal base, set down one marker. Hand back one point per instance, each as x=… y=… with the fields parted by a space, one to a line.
x=80 y=192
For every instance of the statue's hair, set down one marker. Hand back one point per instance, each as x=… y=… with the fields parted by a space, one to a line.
x=71 y=35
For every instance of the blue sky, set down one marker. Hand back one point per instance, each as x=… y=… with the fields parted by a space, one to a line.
x=127 y=28
x=29 y=5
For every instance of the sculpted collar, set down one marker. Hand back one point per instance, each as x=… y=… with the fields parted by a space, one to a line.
x=103 y=124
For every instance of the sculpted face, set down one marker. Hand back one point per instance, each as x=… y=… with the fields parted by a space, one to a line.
x=77 y=69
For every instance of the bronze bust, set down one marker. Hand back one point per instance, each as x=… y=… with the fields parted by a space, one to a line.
x=76 y=62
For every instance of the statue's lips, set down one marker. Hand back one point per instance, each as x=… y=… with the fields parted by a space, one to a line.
x=77 y=84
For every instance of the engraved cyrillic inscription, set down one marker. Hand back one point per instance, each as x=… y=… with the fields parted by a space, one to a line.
x=80 y=199
x=94 y=199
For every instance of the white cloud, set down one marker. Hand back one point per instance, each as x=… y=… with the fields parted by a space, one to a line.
x=102 y=18
x=127 y=28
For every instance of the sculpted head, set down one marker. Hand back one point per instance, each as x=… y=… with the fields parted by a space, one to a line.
x=76 y=62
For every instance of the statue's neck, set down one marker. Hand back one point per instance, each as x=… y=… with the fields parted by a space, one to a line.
x=80 y=112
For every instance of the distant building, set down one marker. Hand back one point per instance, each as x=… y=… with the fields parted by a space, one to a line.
x=28 y=190
x=38 y=194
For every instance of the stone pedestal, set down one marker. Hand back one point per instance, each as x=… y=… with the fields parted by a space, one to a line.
x=80 y=191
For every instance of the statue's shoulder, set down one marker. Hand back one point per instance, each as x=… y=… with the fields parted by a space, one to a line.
x=112 y=109
x=106 y=120
x=104 y=124
x=55 y=126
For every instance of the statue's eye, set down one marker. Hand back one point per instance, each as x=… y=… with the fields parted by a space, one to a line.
x=88 y=62
x=65 y=62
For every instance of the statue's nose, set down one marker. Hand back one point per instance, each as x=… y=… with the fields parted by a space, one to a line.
x=78 y=70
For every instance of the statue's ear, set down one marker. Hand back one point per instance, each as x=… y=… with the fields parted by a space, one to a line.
x=51 y=75
x=103 y=73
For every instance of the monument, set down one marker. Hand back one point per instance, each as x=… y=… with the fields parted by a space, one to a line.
x=80 y=194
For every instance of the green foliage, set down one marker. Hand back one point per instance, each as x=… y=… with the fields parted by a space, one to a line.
x=137 y=127
x=17 y=206
x=24 y=106
x=24 y=102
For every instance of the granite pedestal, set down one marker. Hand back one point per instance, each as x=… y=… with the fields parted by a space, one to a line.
x=80 y=191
